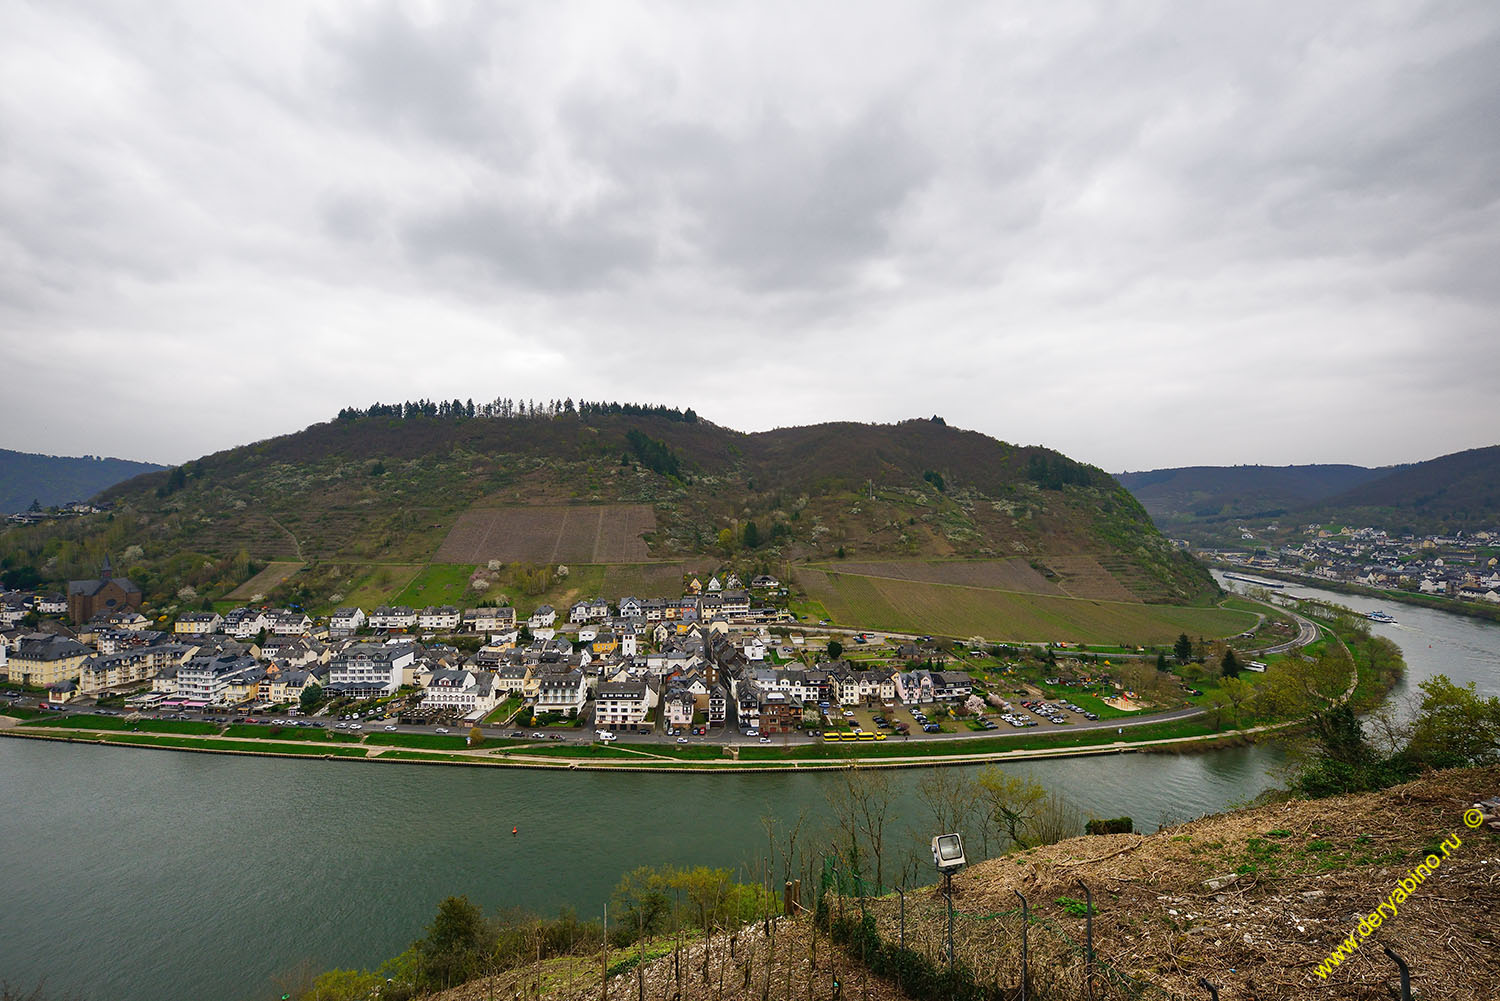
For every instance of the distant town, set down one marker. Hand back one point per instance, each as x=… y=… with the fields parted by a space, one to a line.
x=1463 y=566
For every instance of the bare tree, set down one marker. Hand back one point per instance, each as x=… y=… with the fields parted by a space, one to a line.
x=861 y=805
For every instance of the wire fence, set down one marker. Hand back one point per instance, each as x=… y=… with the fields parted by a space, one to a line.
x=1033 y=951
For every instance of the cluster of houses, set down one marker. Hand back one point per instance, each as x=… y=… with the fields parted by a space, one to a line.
x=706 y=658
x=1456 y=566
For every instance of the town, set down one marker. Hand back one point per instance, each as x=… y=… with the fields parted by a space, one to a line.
x=705 y=662
x=1463 y=566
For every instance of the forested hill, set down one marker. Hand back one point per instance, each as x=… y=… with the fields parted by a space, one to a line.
x=1443 y=495
x=387 y=483
x=49 y=480
x=1194 y=495
x=1449 y=493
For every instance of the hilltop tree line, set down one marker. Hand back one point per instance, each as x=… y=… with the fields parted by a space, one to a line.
x=507 y=408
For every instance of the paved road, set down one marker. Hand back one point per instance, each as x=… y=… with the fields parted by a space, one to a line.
x=1307 y=632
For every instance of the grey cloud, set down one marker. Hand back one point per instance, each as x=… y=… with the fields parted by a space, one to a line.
x=530 y=246
x=1302 y=200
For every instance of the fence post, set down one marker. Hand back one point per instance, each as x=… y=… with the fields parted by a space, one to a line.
x=948 y=892
x=1405 y=973
x=1212 y=990
x=1088 y=948
x=1025 y=929
x=902 y=891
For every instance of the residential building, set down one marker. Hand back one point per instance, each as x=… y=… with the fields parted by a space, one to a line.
x=347 y=620
x=369 y=670
x=462 y=692
x=43 y=659
x=624 y=705
x=443 y=618
x=562 y=693
x=198 y=623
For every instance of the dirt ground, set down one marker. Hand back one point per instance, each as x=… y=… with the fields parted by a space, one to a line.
x=1252 y=902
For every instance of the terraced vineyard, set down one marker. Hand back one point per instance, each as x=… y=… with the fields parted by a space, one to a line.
x=955 y=610
x=263 y=582
x=1085 y=577
x=603 y=533
x=1003 y=575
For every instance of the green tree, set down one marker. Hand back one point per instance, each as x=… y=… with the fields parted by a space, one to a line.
x=1455 y=726
x=312 y=694
x=457 y=942
x=1161 y=663
x=835 y=649
x=751 y=535
x=726 y=541
x=1183 y=649
x=642 y=904
x=1238 y=691
x=476 y=736
x=1229 y=667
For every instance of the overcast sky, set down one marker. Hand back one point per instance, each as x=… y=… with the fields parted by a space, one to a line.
x=1144 y=233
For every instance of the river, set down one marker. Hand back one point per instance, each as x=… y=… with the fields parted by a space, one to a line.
x=134 y=874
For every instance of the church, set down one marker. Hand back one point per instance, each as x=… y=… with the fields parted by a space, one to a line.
x=87 y=598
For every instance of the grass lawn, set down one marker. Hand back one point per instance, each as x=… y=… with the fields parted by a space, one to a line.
x=687 y=752
x=422 y=756
x=375 y=584
x=227 y=745
x=954 y=610
x=896 y=748
x=504 y=711
x=575 y=751
x=19 y=712
x=120 y=723
x=305 y=734
x=440 y=584
x=430 y=741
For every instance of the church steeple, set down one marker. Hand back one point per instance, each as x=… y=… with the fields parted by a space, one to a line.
x=105 y=571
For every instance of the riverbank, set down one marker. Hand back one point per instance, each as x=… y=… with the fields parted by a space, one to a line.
x=1469 y=609
x=1198 y=736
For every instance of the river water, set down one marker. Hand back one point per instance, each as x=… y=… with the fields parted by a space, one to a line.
x=134 y=874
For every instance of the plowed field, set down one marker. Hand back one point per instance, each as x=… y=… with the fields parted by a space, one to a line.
x=607 y=533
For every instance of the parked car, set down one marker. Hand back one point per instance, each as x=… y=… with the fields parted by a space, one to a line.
x=441 y=729
x=390 y=726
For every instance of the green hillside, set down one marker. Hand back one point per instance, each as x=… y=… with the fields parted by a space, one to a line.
x=1451 y=493
x=366 y=500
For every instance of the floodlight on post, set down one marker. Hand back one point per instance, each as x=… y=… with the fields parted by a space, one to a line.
x=948 y=856
x=948 y=853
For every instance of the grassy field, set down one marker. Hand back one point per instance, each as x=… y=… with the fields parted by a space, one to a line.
x=439 y=584
x=374 y=585
x=228 y=745
x=1020 y=742
x=574 y=751
x=263 y=582
x=953 y=610
x=120 y=723
x=428 y=741
x=301 y=733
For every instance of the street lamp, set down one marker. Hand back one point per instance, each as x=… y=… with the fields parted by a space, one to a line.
x=948 y=857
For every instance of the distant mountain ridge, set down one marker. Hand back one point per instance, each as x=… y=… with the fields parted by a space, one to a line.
x=55 y=479
x=1451 y=492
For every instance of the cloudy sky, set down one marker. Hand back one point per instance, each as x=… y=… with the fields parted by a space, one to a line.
x=1145 y=233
